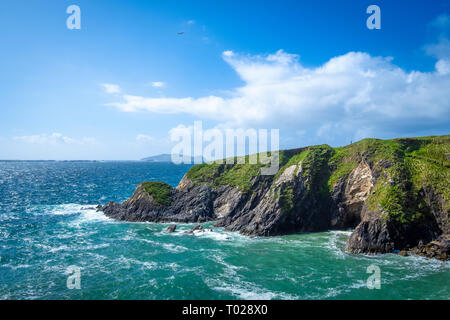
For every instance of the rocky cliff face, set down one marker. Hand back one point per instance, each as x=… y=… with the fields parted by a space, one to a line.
x=191 y=203
x=394 y=193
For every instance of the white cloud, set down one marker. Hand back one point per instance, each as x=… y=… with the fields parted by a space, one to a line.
x=440 y=50
x=180 y=130
x=354 y=92
x=228 y=53
x=111 y=88
x=53 y=138
x=443 y=66
x=158 y=84
x=143 y=138
x=191 y=22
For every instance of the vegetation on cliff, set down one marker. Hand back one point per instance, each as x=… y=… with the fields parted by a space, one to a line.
x=160 y=191
x=236 y=175
x=417 y=164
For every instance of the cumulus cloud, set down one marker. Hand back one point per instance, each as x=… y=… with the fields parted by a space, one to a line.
x=53 y=138
x=158 y=84
x=353 y=94
x=111 y=88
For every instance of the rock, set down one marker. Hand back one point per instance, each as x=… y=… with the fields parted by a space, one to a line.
x=192 y=205
x=89 y=208
x=197 y=228
x=439 y=249
x=403 y=253
x=385 y=164
x=171 y=228
x=352 y=195
x=420 y=244
x=371 y=236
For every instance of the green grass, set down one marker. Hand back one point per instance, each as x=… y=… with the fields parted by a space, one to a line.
x=240 y=175
x=419 y=163
x=316 y=169
x=160 y=191
x=429 y=165
x=401 y=201
x=341 y=163
x=205 y=172
x=290 y=160
x=236 y=175
x=286 y=199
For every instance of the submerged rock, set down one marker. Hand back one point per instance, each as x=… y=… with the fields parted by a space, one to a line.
x=88 y=208
x=196 y=228
x=171 y=228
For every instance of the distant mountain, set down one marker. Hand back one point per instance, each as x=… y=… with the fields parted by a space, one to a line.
x=159 y=158
x=168 y=158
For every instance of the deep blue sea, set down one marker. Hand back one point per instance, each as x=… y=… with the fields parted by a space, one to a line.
x=45 y=228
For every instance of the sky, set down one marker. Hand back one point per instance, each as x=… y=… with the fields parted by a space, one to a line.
x=123 y=84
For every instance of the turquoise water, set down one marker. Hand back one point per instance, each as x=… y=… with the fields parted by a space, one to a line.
x=44 y=230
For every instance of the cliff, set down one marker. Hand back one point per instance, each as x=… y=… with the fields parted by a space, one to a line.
x=394 y=193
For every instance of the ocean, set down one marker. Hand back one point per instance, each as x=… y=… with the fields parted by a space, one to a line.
x=47 y=224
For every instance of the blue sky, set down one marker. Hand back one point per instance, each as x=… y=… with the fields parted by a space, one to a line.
x=118 y=87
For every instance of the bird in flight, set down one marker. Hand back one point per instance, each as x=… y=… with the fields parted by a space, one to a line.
x=180 y=33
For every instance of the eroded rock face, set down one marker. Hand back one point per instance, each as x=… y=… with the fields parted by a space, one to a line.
x=438 y=209
x=227 y=201
x=376 y=235
x=287 y=205
x=193 y=203
x=350 y=196
x=371 y=236
x=287 y=175
x=359 y=185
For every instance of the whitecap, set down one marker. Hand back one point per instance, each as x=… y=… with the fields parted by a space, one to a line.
x=174 y=248
x=212 y=235
x=15 y=267
x=128 y=261
x=248 y=291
